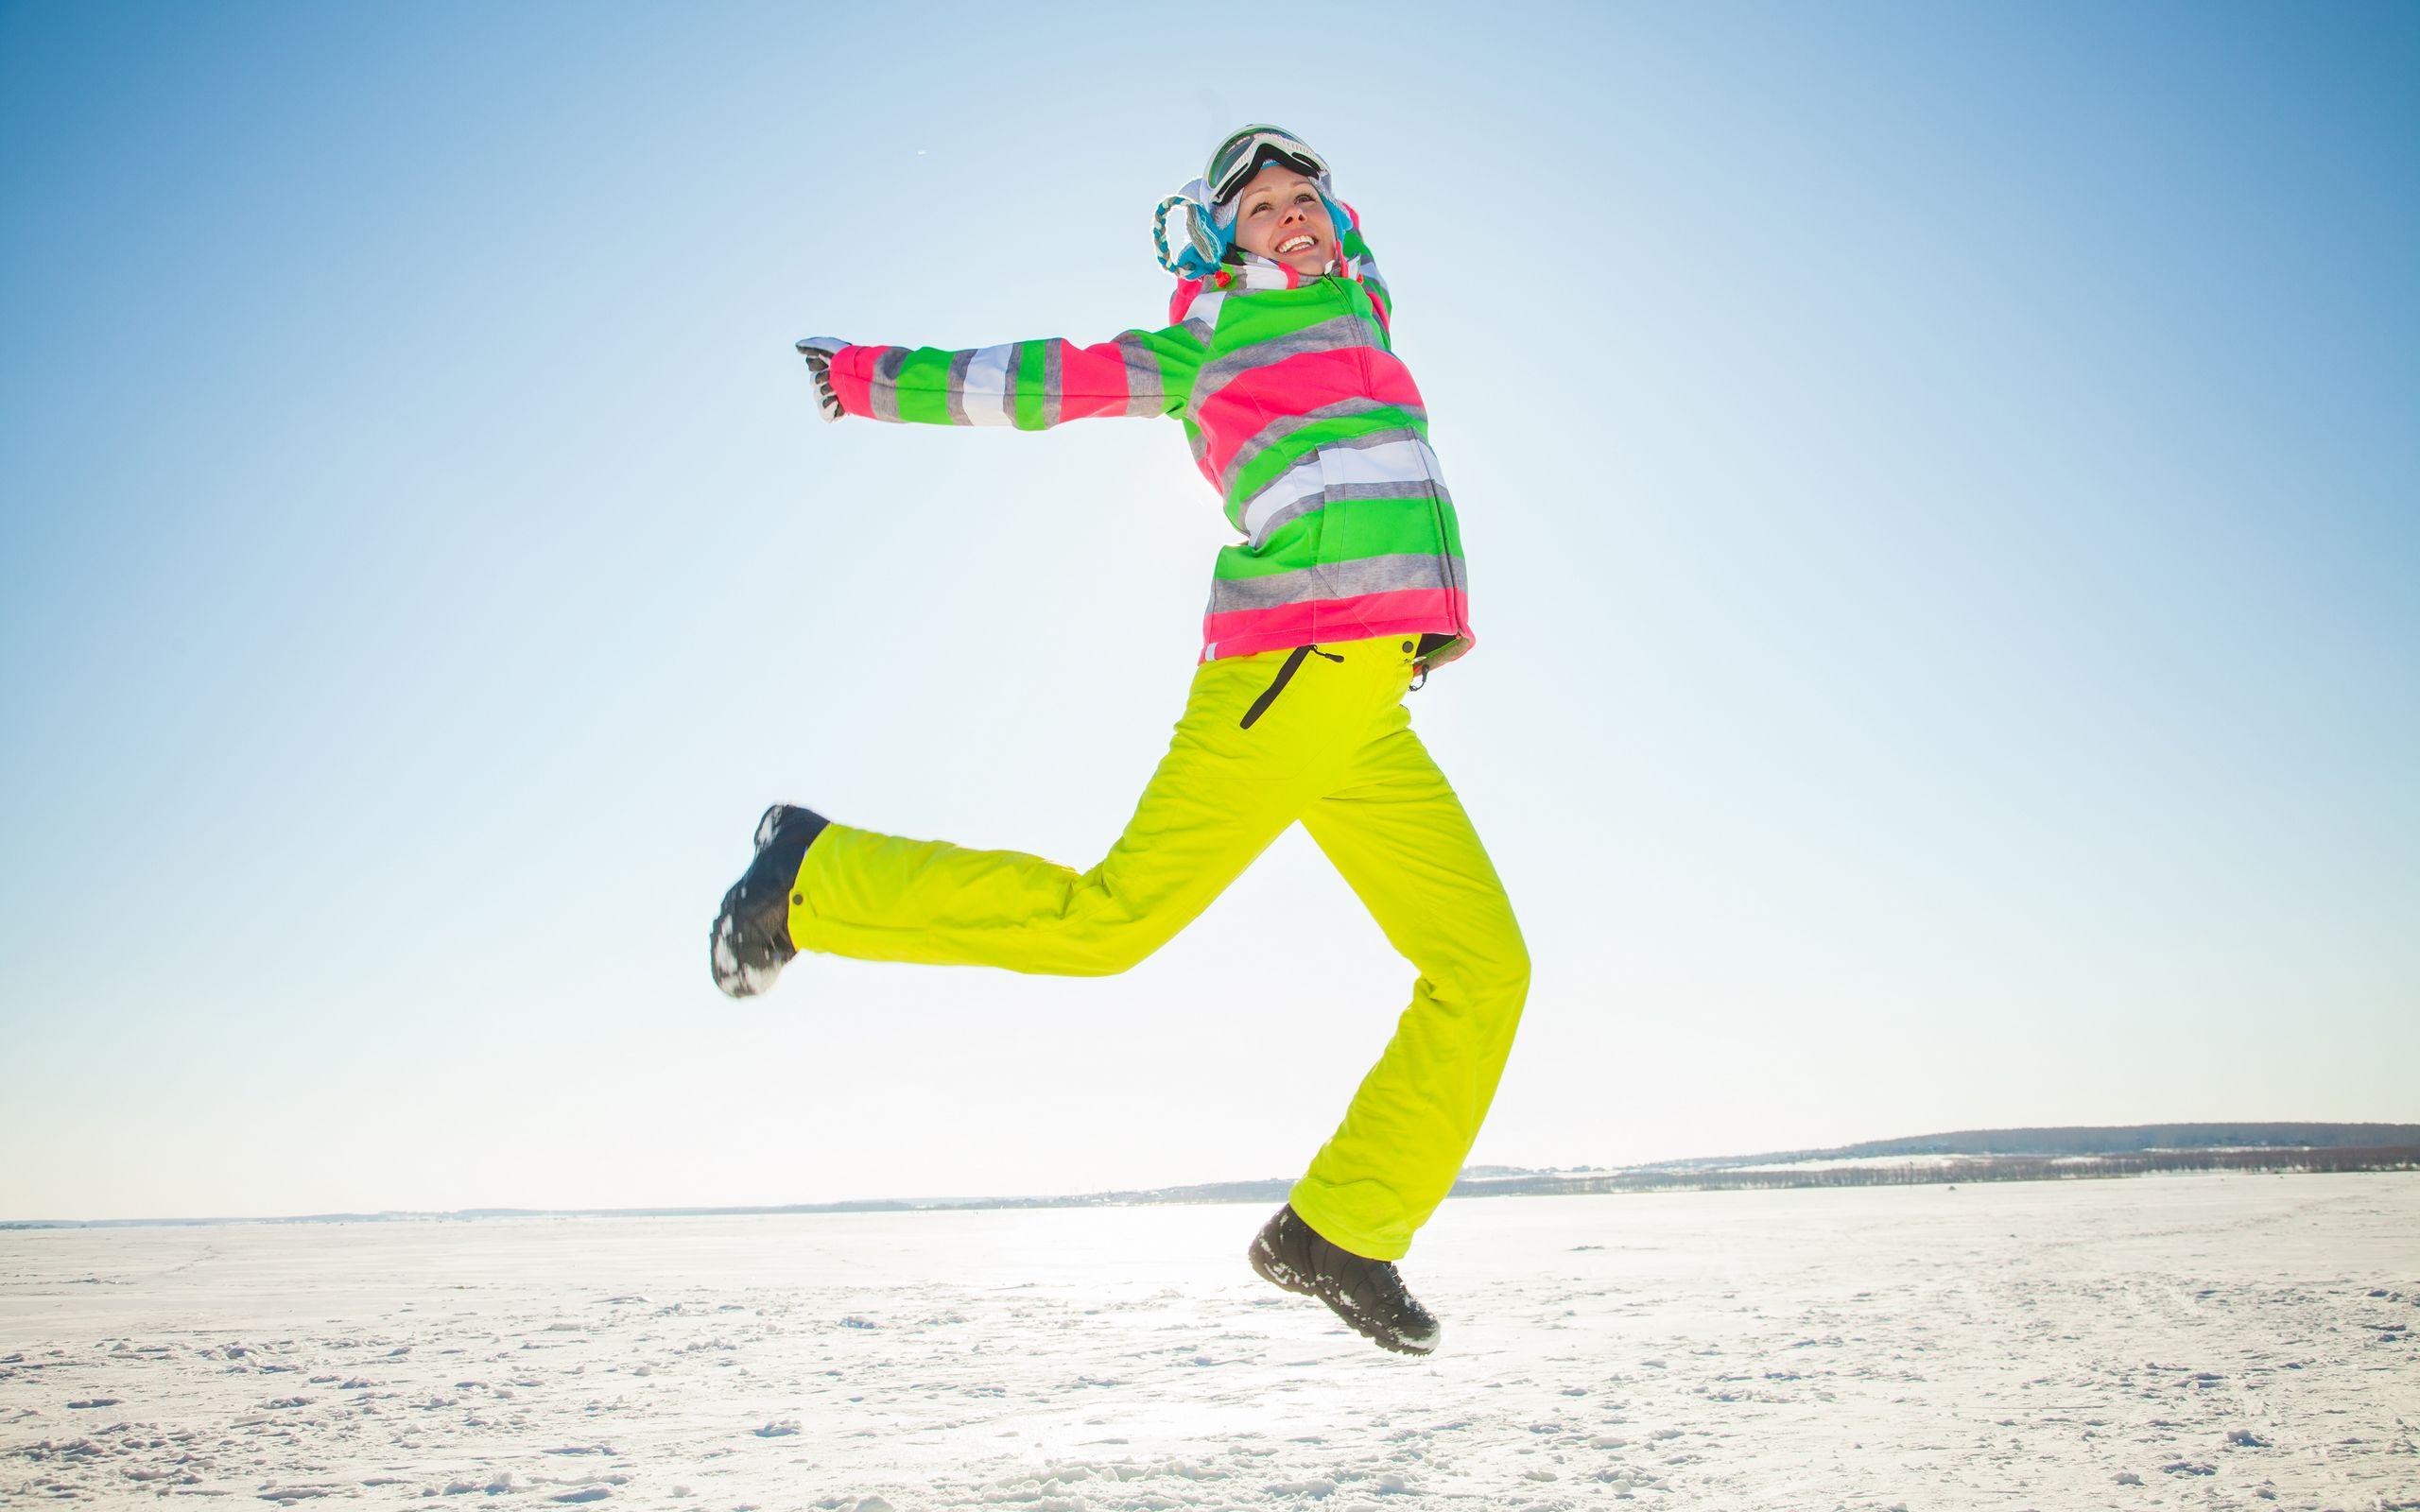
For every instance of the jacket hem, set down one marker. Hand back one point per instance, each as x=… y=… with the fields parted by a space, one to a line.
x=1253 y=645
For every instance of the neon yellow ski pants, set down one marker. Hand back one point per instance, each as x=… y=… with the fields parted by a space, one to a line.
x=1318 y=735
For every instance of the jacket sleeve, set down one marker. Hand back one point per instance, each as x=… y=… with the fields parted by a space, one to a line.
x=1029 y=385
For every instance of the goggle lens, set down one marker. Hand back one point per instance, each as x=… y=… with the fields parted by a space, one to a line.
x=1235 y=162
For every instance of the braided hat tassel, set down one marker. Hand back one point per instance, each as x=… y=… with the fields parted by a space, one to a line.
x=1204 y=241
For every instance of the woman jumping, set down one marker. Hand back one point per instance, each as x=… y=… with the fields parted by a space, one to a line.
x=1347 y=590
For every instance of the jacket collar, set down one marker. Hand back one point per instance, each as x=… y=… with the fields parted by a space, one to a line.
x=1257 y=272
x=1253 y=272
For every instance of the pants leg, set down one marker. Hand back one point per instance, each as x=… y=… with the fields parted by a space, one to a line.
x=1222 y=793
x=1400 y=837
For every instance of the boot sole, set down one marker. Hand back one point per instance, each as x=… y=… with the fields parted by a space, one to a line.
x=732 y=976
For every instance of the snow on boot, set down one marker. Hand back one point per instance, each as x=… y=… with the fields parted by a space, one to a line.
x=1368 y=1293
x=752 y=934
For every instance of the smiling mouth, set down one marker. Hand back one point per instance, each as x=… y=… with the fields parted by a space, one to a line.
x=1296 y=244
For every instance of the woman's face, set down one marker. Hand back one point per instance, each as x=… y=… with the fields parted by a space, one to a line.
x=1279 y=214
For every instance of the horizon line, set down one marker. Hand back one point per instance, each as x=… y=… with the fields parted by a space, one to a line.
x=1250 y=1189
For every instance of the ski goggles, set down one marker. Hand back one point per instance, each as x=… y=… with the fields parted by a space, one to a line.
x=1244 y=154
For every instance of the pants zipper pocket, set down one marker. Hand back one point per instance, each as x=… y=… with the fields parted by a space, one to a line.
x=1284 y=676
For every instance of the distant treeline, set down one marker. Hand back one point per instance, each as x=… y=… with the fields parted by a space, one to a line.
x=2117 y=1140
x=1983 y=1168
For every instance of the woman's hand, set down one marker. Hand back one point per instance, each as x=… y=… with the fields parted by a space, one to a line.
x=818 y=351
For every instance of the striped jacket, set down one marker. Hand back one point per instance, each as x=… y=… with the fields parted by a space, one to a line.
x=1298 y=412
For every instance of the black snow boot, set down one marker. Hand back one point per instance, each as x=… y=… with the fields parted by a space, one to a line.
x=752 y=934
x=1365 y=1293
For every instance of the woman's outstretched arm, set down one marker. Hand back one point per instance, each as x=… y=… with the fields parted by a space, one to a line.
x=1029 y=385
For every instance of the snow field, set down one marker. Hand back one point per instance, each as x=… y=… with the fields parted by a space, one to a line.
x=2187 y=1342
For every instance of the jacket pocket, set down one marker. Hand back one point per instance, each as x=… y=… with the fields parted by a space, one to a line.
x=1277 y=685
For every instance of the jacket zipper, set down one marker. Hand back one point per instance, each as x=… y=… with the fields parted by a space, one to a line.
x=1284 y=676
x=1445 y=559
x=1436 y=515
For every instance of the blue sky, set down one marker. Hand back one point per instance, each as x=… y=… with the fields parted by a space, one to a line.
x=1938 y=484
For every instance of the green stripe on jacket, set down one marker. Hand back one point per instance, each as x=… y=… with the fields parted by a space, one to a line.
x=1346 y=528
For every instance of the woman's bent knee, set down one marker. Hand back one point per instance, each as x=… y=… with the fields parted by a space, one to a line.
x=1100 y=949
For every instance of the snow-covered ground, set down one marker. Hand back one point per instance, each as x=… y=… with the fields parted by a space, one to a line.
x=2212 y=1341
